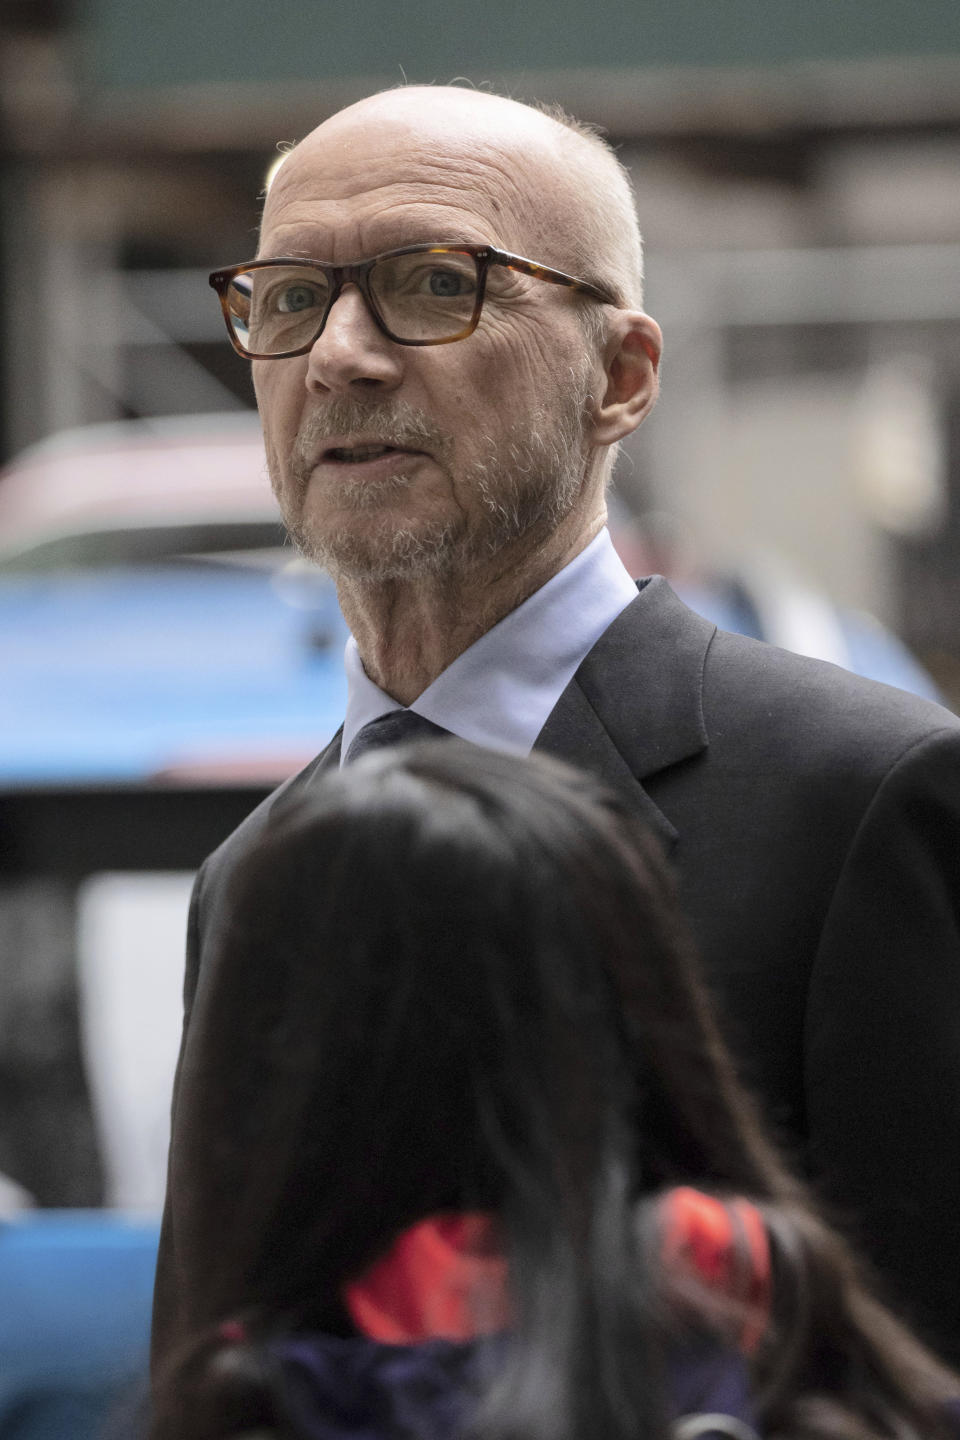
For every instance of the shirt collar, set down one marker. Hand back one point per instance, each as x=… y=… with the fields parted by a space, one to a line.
x=500 y=691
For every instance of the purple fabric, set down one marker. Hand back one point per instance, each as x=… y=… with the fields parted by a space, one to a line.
x=707 y=1379
x=359 y=1389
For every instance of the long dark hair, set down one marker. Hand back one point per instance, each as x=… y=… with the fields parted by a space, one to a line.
x=454 y=980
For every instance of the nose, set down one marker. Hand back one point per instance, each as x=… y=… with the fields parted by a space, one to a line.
x=352 y=352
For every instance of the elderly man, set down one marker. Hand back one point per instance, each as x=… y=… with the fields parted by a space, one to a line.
x=445 y=326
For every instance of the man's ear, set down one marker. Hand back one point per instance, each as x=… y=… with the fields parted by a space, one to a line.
x=632 y=366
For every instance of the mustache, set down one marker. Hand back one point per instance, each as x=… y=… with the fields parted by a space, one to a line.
x=390 y=422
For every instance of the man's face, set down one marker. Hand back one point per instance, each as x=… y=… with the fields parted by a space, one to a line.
x=394 y=461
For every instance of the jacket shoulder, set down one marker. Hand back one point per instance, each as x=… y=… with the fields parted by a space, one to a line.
x=799 y=703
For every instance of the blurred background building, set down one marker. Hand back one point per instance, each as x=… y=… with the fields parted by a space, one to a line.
x=798 y=175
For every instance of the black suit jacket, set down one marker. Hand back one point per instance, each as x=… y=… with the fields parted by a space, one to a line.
x=814 y=818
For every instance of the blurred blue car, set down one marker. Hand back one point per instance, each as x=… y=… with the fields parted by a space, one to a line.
x=154 y=626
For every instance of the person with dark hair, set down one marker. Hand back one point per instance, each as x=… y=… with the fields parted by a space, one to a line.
x=446 y=330
x=496 y=1174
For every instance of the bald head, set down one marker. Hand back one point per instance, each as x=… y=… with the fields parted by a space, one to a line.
x=546 y=183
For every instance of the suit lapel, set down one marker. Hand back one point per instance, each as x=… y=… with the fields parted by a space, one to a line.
x=328 y=759
x=635 y=705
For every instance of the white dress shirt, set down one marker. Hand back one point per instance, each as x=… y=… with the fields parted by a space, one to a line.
x=500 y=691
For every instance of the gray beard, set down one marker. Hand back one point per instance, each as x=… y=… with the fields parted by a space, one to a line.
x=527 y=485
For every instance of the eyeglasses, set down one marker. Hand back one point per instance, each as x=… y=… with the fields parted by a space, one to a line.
x=418 y=295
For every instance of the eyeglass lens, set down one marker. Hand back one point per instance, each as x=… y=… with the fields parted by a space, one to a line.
x=420 y=297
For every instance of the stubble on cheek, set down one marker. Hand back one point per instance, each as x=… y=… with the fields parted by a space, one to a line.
x=535 y=471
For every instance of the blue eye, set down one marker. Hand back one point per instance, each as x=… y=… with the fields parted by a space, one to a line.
x=296 y=297
x=446 y=284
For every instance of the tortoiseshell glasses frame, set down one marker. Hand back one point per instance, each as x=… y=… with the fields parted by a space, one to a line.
x=358 y=273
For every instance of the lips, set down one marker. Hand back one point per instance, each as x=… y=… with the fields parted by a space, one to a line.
x=356 y=454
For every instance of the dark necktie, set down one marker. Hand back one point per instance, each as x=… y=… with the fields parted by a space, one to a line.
x=392 y=729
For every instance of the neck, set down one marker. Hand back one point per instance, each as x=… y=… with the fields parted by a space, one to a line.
x=408 y=631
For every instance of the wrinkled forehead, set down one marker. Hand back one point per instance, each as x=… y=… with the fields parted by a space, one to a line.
x=377 y=176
